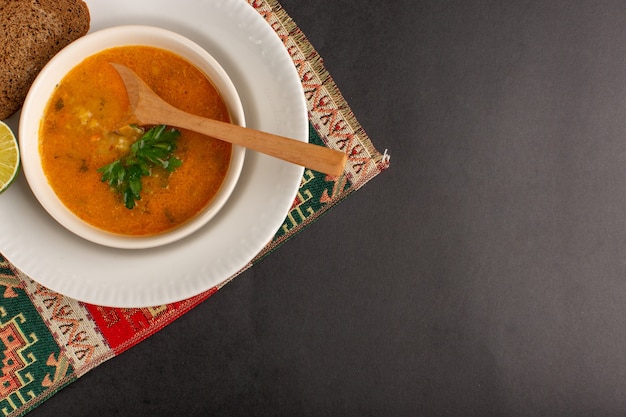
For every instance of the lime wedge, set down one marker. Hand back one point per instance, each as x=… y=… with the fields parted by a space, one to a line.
x=9 y=157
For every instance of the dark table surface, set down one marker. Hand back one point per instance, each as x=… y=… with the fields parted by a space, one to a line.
x=483 y=274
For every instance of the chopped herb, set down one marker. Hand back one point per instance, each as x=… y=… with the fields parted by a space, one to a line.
x=153 y=149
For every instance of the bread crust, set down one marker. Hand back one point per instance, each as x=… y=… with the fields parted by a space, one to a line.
x=31 y=33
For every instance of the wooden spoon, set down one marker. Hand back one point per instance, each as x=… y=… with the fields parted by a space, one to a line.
x=150 y=109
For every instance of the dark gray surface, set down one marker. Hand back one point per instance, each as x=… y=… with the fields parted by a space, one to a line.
x=482 y=274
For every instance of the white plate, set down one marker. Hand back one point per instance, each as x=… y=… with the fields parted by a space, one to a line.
x=269 y=87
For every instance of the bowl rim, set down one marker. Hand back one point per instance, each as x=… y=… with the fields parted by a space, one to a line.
x=37 y=100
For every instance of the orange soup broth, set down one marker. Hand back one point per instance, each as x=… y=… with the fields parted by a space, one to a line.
x=76 y=138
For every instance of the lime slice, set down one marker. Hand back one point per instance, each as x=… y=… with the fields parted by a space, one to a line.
x=9 y=157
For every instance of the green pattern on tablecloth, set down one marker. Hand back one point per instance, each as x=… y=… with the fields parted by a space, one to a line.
x=32 y=362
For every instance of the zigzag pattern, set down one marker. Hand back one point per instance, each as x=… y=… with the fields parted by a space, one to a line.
x=329 y=120
x=64 y=318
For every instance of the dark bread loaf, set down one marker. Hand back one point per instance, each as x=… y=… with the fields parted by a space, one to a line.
x=31 y=33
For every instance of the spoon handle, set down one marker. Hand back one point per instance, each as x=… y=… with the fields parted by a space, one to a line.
x=149 y=108
x=318 y=158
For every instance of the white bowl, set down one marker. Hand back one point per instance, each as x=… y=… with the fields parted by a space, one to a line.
x=42 y=89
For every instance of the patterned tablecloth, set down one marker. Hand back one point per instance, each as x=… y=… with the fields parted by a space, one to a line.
x=47 y=340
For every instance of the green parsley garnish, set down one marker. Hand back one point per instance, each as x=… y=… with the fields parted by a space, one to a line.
x=153 y=149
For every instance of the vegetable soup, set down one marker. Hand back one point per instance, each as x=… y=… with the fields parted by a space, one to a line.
x=85 y=127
